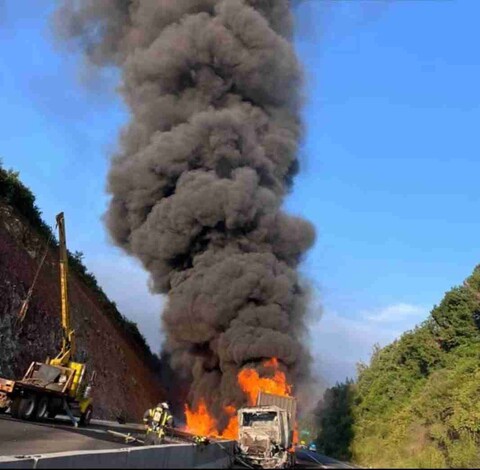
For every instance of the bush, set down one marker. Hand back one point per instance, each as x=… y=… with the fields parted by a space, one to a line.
x=17 y=195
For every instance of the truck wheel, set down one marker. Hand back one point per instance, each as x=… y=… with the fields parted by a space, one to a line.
x=86 y=416
x=27 y=407
x=15 y=407
x=42 y=409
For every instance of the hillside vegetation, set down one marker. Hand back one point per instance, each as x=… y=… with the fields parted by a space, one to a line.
x=418 y=402
x=14 y=193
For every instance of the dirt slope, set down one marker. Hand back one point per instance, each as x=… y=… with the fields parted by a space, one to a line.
x=126 y=384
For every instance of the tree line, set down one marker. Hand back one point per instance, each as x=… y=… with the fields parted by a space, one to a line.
x=417 y=404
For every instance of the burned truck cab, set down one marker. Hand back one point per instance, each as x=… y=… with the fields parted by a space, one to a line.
x=265 y=436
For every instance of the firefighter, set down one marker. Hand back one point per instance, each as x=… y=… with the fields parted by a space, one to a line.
x=157 y=419
x=201 y=440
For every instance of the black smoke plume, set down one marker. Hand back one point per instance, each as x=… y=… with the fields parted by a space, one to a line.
x=197 y=186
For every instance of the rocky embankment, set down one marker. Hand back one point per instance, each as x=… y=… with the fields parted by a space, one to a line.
x=126 y=383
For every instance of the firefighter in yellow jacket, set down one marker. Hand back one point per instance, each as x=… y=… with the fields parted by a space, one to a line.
x=156 y=420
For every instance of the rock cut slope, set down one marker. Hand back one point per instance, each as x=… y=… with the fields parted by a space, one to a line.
x=127 y=375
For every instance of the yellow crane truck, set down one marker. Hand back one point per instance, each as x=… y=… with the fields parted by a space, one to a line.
x=59 y=385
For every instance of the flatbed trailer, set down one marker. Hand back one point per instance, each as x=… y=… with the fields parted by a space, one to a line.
x=46 y=391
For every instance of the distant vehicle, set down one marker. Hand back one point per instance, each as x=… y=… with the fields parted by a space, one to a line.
x=57 y=385
x=265 y=436
x=312 y=447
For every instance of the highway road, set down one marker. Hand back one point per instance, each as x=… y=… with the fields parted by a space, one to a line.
x=20 y=438
x=25 y=438
x=309 y=459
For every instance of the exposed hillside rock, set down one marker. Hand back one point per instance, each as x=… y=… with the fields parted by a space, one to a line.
x=126 y=383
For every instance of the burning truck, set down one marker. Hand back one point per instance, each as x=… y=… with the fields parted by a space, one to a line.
x=264 y=428
x=266 y=432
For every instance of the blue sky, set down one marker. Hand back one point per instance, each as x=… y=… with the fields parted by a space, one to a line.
x=390 y=160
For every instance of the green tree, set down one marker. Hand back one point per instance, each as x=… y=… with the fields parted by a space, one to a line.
x=335 y=421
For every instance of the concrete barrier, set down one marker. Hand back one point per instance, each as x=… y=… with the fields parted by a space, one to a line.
x=84 y=459
x=214 y=455
x=17 y=462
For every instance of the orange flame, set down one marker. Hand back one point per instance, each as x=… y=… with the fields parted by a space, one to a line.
x=200 y=422
x=231 y=431
x=252 y=384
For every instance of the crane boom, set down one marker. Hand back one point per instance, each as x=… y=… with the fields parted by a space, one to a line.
x=68 y=341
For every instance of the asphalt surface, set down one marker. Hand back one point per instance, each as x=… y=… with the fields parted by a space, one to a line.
x=28 y=438
x=20 y=438
x=309 y=459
